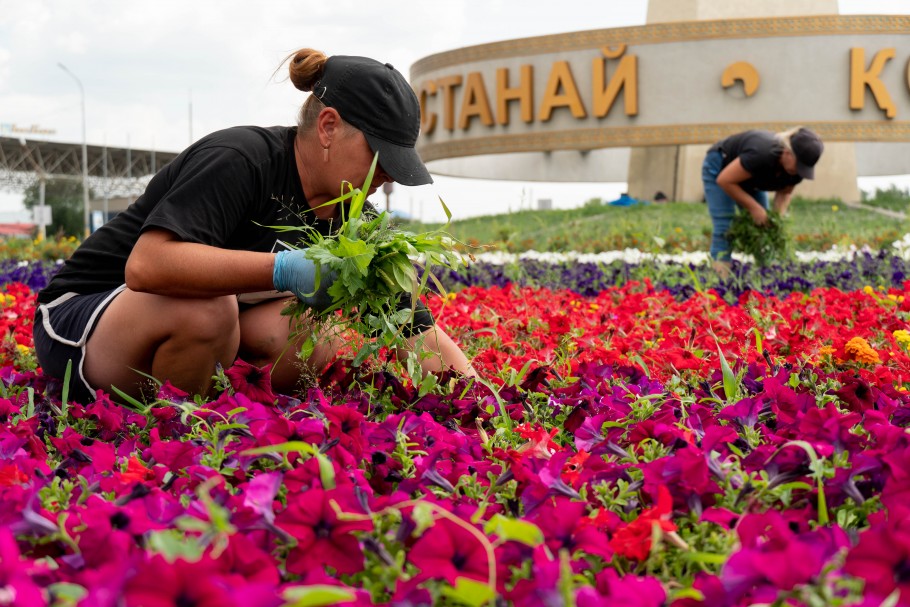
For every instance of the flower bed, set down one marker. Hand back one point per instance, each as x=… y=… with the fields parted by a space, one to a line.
x=639 y=446
x=684 y=275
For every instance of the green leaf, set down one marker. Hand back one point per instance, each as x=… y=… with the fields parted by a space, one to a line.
x=173 y=545
x=288 y=447
x=758 y=340
x=503 y=412
x=469 y=592
x=511 y=529
x=326 y=471
x=66 y=594
x=688 y=593
x=729 y=377
x=422 y=513
x=707 y=558
x=404 y=273
x=357 y=252
x=130 y=402
x=446 y=210
x=426 y=384
x=317 y=595
x=66 y=386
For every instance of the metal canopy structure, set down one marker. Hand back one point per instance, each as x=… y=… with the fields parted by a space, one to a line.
x=113 y=172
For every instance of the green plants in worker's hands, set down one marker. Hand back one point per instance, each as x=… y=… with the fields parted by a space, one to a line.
x=378 y=272
x=765 y=243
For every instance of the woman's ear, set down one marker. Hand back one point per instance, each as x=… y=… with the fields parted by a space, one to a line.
x=328 y=126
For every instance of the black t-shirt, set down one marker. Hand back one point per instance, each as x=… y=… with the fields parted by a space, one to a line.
x=225 y=191
x=759 y=153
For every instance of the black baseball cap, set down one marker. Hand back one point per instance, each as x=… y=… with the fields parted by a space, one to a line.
x=375 y=98
x=808 y=148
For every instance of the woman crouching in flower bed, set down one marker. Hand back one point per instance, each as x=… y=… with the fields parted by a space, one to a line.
x=194 y=274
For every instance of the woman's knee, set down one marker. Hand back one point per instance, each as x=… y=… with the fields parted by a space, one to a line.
x=211 y=319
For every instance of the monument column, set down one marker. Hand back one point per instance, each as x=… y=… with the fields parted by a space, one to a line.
x=676 y=170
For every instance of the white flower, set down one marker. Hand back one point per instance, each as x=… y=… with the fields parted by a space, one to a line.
x=635 y=256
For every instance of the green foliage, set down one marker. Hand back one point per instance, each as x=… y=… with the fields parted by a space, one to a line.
x=64 y=196
x=672 y=227
x=893 y=198
x=767 y=243
x=376 y=267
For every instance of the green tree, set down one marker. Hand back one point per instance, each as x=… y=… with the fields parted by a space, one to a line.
x=64 y=196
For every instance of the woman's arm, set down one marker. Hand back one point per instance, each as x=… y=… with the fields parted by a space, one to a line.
x=730 y=179
x=162 y=264
x=782 y=200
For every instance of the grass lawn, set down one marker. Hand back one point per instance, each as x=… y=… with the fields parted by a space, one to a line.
x=673 y=227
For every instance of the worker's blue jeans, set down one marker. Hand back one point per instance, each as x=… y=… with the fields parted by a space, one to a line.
x=721 y=207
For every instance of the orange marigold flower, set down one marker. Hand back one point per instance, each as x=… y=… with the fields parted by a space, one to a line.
x=858 y=349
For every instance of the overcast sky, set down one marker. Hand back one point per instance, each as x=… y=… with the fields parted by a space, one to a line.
x=144 y=64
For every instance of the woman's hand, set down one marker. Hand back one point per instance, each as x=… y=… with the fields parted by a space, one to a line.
x=759 y=214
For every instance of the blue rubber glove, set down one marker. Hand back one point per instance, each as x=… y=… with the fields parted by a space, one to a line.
x=295 y=273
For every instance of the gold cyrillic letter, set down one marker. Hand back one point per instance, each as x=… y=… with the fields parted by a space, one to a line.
x=447 y=86
x=427 y=118
x=474 y=102
x=624 y=77
x=860 y=78
x=523 y=93
x=561 y=78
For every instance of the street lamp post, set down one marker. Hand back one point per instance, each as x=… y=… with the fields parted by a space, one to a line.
x=85 y=209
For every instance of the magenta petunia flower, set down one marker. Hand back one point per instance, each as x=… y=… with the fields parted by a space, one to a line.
x=253 y=382
x=158 y=583
x=882 y=559
x=448 y=551
x=627 y=590
x=565 y=525
x=542 y=588
x=344 y=425
x=857 y=394
x=323 y=539
x=772 y=554
x=16 y=584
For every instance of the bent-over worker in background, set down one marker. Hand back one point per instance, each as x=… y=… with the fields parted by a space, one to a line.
x=741 y=169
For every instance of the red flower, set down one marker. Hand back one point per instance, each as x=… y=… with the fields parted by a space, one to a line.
x=135 y=471
x=634 y=540
x=540 y=442
x=572 y=469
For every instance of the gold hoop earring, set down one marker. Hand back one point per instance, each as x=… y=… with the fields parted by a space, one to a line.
x=325 y=154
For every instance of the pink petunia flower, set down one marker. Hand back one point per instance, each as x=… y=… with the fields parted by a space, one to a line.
x=253 y=382
x=448 y=551
x=323 y=539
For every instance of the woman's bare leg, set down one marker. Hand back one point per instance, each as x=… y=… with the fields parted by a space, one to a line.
x=267 y=337
x=175 y=339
